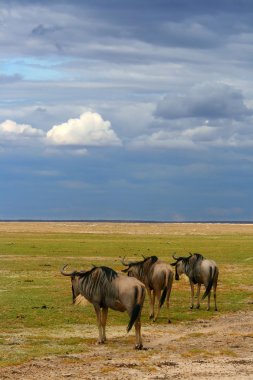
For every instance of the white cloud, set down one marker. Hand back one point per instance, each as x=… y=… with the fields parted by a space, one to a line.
x=202 y=133
x=11 y=130
x=201 y=137
x=88 y=130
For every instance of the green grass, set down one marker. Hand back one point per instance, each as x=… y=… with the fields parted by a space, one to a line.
x=35 y=299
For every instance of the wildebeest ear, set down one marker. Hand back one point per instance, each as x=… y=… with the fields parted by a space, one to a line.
x=124 y=270
x=173 y=264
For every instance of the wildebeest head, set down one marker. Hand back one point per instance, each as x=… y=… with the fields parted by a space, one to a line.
x=179 y=265
x=74 y=281
x=133 y=268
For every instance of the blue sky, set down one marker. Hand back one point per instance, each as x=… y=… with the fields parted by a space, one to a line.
x=131 y=110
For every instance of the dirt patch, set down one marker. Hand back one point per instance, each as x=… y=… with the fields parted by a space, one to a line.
x=127 y=228
x=220 y=348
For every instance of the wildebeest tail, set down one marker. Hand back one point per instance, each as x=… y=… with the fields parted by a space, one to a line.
x=134 y=316
x=165 y=290
x=163 y=296
x=139 y=298
x=168 y=283
x=210 y=284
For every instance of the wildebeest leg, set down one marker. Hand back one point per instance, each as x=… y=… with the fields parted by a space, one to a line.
x=214 y=290
x=103 y=322
x=157 y=294
x=198 y=296
x=169 y=289
x=192 y=294
x=170 y=282
x=138 y=339
x=98 y=314
x=208 y=301
x=151 y=303
x=214 y=296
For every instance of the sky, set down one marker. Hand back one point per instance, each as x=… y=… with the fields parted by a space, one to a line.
x=126 y=110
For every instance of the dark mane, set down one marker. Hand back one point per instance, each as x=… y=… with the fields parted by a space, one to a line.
x=195 y=256
x=109 y=273
x=98 y=281
x=192 y=267
x=153 y=259
x=144 y=268
x=198 y=256
x=106 y=272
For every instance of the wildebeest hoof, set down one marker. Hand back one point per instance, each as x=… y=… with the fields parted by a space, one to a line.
x=139 y=346
x=151 y=316
x=198 y=306
x=191 y=307
x=100 y=342
x=169 y=321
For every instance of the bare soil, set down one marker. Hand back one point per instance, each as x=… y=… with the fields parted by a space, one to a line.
x=219 y=348
x=127 y=228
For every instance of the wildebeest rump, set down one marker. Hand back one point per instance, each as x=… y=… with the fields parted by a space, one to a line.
x=105 y=289
x=156 y=275
x=200 y=271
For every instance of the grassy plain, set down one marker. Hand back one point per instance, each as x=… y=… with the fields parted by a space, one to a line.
x=37 y=317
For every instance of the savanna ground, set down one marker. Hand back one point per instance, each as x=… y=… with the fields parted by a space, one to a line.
x=42 y=336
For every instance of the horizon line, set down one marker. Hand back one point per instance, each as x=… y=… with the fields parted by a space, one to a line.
x=128 y=221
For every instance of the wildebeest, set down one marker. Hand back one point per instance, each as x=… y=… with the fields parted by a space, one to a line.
x=200 y=271
x=105 y=288
x=157 y=276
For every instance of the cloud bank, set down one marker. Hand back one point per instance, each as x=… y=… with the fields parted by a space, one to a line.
x=90 y=129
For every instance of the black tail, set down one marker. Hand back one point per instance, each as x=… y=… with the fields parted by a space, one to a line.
x=163 y=296
x=210 y=284
x=134 y=316
x=168 y=282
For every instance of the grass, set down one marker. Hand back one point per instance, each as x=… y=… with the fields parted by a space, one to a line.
x=35 y=299
x=206 y=354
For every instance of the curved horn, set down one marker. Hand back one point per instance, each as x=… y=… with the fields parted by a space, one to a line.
x=123 y=262
x=74 y=273
x=174 y=257
x=190 y=254
x=67 y=274
x=144 y=257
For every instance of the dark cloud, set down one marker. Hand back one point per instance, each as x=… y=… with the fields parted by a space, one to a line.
x=167 y=23
x=210 y=101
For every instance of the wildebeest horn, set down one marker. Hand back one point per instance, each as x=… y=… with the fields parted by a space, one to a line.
x=74 y=273
x=174 y=257
x=123 y=262
x=144 y=257
x=65 y=273
x=190 y=254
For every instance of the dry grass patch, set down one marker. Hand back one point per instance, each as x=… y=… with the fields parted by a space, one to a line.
x=126 y=228
x=208 y=354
